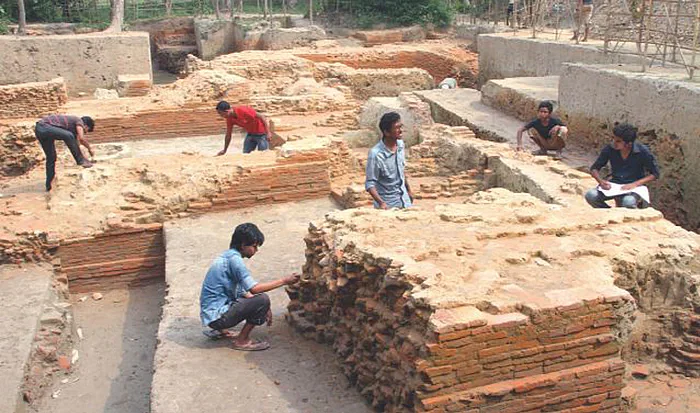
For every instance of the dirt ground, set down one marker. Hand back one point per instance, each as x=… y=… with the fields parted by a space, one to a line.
x=294 y=375
x=115 y=366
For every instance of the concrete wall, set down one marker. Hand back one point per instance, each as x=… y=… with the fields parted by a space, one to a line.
x=85 y=62
x=665 y=109
x=502 y=56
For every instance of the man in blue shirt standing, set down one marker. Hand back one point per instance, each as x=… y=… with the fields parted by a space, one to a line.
x=630 y=162
x=231 y=295
x=385 y=177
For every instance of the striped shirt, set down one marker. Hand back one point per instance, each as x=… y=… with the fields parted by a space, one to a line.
x=67 y=122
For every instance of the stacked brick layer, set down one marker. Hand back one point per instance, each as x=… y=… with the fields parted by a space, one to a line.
x=405 y=354
x=31 y=100
x=134 y=85
x=685 y=357
x=439 y=66
x=114 y=260
x=19 y=149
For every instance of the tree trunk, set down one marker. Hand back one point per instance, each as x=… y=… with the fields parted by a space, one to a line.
x=22 y=20
x=266 y=9
x=240 y=7
x=216 y=9
x=117 y=23
x=168 y=7
x=311 y=11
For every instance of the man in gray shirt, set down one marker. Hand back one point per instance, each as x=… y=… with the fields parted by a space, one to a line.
x=385 y=177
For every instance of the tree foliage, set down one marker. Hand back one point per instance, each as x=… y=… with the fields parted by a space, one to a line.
x=394 y=12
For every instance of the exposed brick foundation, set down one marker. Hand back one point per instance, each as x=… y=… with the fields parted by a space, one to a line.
x=111 y=260
x=405 y=353
x=439 y=66
x=29 y=100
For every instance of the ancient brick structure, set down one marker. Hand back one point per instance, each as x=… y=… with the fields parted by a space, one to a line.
x=31 y=100
x=19 y=149
x=408 y=347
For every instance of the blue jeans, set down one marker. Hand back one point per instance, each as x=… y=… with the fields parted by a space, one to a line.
x=597 y=200
x=253 y=142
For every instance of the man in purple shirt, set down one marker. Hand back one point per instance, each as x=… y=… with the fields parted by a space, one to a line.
x=71 y=130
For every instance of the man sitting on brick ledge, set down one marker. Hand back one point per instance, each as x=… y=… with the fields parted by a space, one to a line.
x=230 y=295
x=256 y=126
x=385 y=177
x=547 y=132
x=630 y=161
x=69 y=129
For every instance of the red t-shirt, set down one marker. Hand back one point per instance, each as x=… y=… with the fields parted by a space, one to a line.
x=246 y=118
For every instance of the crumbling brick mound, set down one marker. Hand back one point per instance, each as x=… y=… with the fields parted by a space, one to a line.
x=412 y=333
x=19 y=149
x=30 y=100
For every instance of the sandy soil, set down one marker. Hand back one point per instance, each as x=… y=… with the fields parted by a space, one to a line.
x=115 y=366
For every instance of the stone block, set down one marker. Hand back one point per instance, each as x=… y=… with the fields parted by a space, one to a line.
x=134 y=85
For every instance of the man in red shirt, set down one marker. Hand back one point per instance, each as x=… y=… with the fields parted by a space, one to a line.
x=71 y=130
x=256 y=126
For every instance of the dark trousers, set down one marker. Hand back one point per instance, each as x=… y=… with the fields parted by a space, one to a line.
x=47 y=135
x=252 y=310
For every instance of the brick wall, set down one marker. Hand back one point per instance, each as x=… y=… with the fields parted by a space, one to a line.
x=110 y=260
x=19 y=149
x=31 y=100
x=438 y=66
x=159 y=125
x=407 y=355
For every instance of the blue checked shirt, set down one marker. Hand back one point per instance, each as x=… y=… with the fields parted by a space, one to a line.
x=386 y=173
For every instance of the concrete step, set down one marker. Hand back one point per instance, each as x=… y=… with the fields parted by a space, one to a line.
x=520 y=96
x=194 y=373
x=464 y=107
x=24 y=291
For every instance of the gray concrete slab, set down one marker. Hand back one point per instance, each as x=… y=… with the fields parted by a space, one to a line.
x=463 y=107
x=194 y=373
x=23 y=293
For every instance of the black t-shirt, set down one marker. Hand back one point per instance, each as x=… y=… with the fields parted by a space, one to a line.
x=544 y=130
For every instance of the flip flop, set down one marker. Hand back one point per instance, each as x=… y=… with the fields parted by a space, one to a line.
x=218 y=334
x=252 y=346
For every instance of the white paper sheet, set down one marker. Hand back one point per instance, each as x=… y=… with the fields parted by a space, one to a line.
x=616 y=190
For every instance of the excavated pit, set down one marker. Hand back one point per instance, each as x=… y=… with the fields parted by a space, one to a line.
x=500 y=290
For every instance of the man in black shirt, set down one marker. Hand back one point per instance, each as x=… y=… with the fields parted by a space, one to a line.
x=547 y=132
x=630 y=162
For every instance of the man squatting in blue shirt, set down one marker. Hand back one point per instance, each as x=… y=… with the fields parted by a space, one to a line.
x=231 y=295
x=385 y=177
x=630 y=161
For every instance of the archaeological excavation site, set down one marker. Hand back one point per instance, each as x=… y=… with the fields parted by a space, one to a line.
x=499 y=290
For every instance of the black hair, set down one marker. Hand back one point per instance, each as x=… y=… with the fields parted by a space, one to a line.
x=88 y=122
x=388 y=120
x=223 y=106
x=626 y=132
x=246 y=234
x=546 y=104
